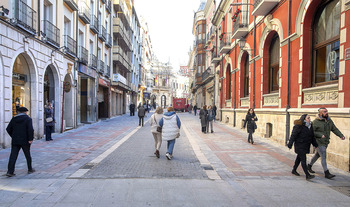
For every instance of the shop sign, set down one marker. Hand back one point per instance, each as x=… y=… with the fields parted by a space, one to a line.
x=119 y=78
x=347 y=54
x=18 y=79
x=103 y=82
x=86 y=70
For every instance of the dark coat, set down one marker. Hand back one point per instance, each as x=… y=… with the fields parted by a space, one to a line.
x=21 y=129
x=142 y=112
x=250 y=123
x=302 y=137
x=203 y=115
x=132 y=107
x=49 y=113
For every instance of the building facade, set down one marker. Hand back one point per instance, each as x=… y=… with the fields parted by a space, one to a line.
x=284 y=59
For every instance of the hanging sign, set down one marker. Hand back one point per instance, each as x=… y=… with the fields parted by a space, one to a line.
x=347 y=54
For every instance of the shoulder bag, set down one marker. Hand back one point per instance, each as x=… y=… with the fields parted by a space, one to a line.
x=159 y=128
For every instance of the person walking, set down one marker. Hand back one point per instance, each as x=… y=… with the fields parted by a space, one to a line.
x=21 y=131
x=323 y=125
x=190 y=107
x=249 y=121
x=170 y=124
x=195 y=109
x=302 y=136
x=203 y=115
x=132 y=109
x=155 y=118
x=211 y=116
x=141 y=113
x=49 y=121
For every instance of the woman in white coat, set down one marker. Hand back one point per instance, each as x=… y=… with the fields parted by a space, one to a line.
x=170 y=124
x=155 y=118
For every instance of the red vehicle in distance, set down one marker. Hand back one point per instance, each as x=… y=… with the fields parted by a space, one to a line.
x=179 y=104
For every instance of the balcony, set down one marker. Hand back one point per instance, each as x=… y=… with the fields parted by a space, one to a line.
x=25 y=17
x=72 y=5
x=83 y=55
x=70 y=45
x=102 y=34
x=120 y=80
x=108 y=6
x=109 y=41
x=94 y=24
x=108 y=71
x=240 y=25
x=93 y=61
x=103 y=1
x=263 y=7
x=84 y=12
x=100 y=67
x=215 y=57
x=122 y=33
x=51 y=33
x=207 y=75
x=122 y=59
x=225 y=42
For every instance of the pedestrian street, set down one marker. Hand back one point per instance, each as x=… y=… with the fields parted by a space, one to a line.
x=112 y=163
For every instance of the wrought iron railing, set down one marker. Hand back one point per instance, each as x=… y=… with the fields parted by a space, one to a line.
x=51 y=33
x=108 y=6
x=83 y=55
x=241 y=21
x=100 y=66
x=70 y=44
x=103 y=33
x=94 y=24
x=25 y=17
x=84 y=12
x=93 y=61
x=225 y=40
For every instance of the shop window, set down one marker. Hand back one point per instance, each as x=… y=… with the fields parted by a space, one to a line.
x=274 y=56
x=246 y=76
x=326 y=32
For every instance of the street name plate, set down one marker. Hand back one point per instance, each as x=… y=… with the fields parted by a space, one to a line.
x=347 y=54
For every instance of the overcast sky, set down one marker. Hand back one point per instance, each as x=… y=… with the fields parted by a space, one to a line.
x=170 y=25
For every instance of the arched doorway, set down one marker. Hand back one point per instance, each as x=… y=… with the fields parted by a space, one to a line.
x=21 y=87
x=52 y=93
x=68 y=114
x=163 y=101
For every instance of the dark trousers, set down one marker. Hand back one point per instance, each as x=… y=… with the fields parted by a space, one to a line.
x=301 y=158
x=132 y=112
x=195 y=112
x=48 y=133
x=250 y=137
x=14 y=154
x=141 y=120
x=204 y=129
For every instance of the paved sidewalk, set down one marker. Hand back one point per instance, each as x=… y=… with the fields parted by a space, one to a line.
x=111 y=163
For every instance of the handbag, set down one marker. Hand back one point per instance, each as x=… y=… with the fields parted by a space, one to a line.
x=49 y=119
x=159 y=128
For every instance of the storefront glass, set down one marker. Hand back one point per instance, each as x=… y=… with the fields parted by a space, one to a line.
x=20 y=85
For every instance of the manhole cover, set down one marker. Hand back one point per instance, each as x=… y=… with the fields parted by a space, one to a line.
x=342 y=189
x=207 y=167
x=88 y=166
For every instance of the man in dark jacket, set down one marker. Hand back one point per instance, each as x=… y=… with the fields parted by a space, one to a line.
x=141 y=114
x=21 y=131
x=323 y=125
x=132 y=109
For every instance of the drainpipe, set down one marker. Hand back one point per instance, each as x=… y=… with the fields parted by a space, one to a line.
x=254 y=48
x=39 y=17
x=234 y=101
x=288 y=76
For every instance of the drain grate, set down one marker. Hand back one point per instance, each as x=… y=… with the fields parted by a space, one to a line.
x=88 y=166
x=342 y=189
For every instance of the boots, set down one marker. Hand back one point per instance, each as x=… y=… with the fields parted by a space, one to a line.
x=308 y=177
x=294 y=172
x=309 y=168
x=328 y=175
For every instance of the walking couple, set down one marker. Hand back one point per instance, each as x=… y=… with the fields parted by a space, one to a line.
x=316 y=133
x=165 y=127
x=207 y=117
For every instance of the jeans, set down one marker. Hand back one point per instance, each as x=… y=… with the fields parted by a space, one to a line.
x=321 y=151
x=171 y=144
x=210 y=124
x=301 y=157
x=14 y=154
x=48 y=133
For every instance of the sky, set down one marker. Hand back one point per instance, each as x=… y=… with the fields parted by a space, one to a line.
x=170 y=24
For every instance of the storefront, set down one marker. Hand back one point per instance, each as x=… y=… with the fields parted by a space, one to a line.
x=86 y=109
x=103 y=97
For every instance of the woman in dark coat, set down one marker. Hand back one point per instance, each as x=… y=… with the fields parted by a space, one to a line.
x=249 y=121
x=49 y=124
x=203 y=115
x=302 y=136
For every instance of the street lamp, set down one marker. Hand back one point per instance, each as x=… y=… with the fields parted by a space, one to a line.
x=241 y=43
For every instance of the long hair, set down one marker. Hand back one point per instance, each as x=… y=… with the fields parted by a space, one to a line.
x=249 y=111
x=159 y=110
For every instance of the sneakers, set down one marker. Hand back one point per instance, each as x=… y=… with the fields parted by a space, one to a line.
x=31 y=171
x=168 y=156
x=309 y=168
x=294 y=172
x=10 y=174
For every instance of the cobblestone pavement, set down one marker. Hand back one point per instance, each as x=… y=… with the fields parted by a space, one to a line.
x=111 y=163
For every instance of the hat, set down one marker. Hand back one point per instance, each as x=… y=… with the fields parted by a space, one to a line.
x=22 y=109
x=302 y=118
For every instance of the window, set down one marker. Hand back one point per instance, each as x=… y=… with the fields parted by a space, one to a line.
x=274 y=56
x=326 y=30
x=246 y=76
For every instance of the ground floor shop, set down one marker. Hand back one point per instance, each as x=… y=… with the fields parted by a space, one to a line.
x=103 y=98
